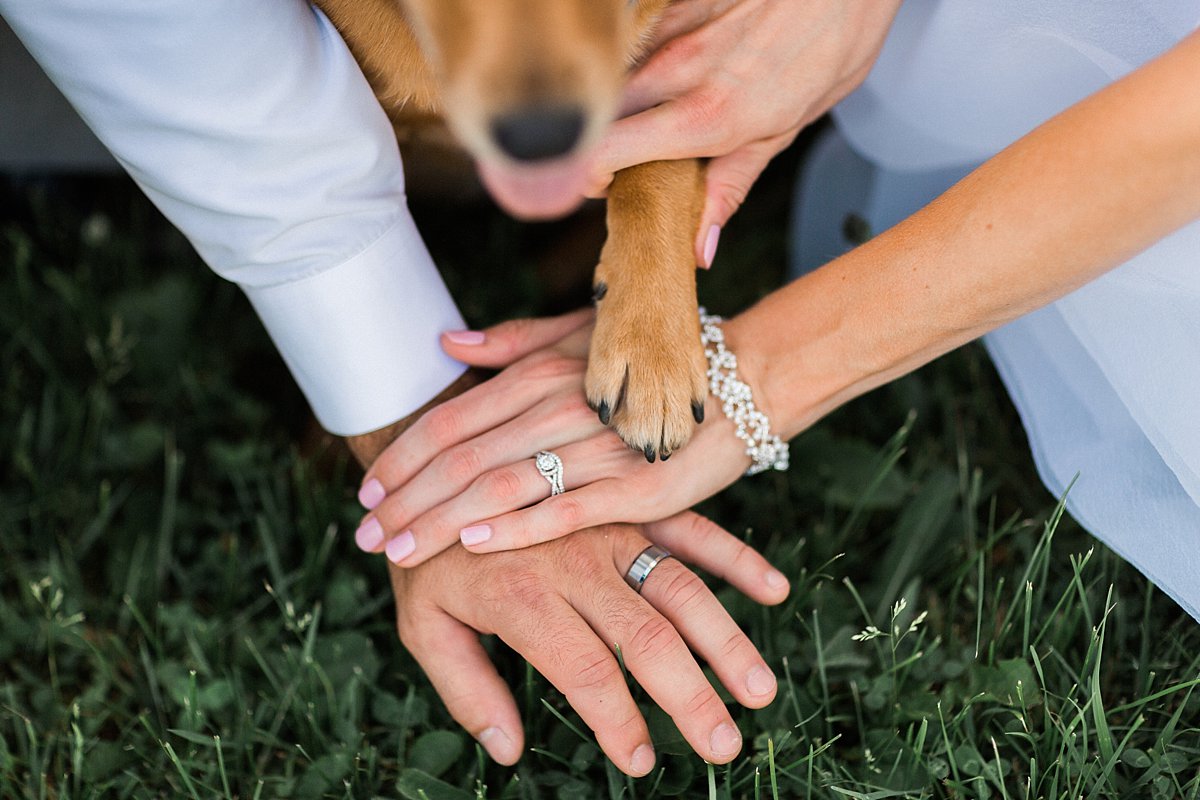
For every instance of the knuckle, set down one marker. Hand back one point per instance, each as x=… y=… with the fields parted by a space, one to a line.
x=442 y=425
x=681 y=54
x=594 y=672
x=734 y=645
x=547 y=364
x=741 y=552
x=577 y=556
x=733 y=194
x=699 y=701
x=652 y=640
x=701 y=529
x=512 y=334
x=569 y=513
x=526 y=590
x=707 y=108
x=683 y=590
x=500 y=484
x=461 y=465
x=574 y=405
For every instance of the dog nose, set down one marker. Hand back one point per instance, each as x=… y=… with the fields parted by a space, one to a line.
x=538 y=132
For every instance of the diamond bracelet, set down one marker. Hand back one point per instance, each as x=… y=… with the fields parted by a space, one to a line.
x=753 y=427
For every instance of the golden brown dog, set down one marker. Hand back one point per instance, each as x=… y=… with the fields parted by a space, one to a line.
x=528 y=88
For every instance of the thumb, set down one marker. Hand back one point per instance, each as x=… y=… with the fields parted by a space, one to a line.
x=727 y=182
x=501 y=345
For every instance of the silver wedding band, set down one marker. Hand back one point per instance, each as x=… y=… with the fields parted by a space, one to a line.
x=550 y=467
x=643 y=565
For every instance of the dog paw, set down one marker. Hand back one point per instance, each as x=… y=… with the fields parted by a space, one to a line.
x=647 y=378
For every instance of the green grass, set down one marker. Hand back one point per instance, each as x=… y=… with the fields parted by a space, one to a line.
x=183 y=613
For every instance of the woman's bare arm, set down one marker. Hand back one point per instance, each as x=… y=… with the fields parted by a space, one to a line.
x=1074 y=198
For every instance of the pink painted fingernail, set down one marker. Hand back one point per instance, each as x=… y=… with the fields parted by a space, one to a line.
x=775 y=579
x=369 y=535
x=475 y=534
x=760 y=681
x=371 y=494
x=710 y=245
x=725 y=740
x=466 y=337
x=643 y=760
x=401 y=547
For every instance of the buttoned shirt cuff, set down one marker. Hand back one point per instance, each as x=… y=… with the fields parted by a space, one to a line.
x=361 y=338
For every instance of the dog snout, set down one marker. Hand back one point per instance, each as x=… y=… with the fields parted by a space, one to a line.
x=539 y=133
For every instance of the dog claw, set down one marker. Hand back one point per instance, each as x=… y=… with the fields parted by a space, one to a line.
x=698 y=411
x=599 y=291
x=649 y=453
x=604 y=412
x=664 y=456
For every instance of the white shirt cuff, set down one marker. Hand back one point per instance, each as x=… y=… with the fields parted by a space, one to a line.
x=361 y=338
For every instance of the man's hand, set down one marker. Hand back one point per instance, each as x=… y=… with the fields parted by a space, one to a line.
x=736 y=81
x=564 y=606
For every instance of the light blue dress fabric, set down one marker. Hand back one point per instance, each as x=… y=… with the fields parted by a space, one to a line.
x=1107 y=379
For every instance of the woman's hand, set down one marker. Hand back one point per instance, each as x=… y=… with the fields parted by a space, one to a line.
x=736 y=81
x=465 y=471
x=565 y=608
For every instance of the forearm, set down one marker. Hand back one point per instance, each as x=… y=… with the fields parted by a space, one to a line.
x=1069 y=201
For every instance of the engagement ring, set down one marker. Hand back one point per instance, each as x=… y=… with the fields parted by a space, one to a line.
x=551 y=468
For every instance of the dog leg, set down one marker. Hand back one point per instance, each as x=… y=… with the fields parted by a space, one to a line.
x=646 y=368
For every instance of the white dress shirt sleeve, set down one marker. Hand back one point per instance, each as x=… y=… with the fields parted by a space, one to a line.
x=250 y=126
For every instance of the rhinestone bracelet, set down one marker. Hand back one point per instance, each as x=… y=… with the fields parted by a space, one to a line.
x=753 y=427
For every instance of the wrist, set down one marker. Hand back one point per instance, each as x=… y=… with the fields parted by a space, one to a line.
x=827 y=338
x=365 y=447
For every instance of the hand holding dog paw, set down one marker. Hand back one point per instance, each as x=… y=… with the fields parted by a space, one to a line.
x=565 y=608
x=465 y=472
x=735 y=81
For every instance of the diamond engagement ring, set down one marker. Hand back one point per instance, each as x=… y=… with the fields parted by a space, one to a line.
x=551 y=468
x=642 y=566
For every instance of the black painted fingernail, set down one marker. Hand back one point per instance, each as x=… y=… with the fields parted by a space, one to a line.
x=649 y=453
x=698 y=411
x=604 y=412
x=599 y=291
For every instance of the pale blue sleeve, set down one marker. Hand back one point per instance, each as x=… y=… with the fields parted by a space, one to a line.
x=249 y=125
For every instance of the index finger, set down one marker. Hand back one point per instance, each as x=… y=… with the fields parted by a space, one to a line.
x=677 y=129
x=475 y=411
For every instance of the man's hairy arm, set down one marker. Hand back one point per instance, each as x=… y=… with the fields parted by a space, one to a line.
x=367 y=446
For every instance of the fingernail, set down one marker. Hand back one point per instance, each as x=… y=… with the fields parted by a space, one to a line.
x=643 y=760
x=775 y=579
x=466 y=337
x=725 y=740
x=498 y=745
x=371 y=494
x=369 y=535
x=401 y=547
x=760 y=681
x=710 y=245
x=475 y=534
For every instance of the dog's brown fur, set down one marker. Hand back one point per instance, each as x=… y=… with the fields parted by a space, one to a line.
x=469 y=60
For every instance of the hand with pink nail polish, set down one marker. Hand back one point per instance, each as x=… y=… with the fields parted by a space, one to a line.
x=735 y=81
x=584 y=613
x=465 y=472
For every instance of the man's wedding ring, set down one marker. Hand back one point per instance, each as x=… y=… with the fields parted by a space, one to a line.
x=643 y=565
x=550 y=467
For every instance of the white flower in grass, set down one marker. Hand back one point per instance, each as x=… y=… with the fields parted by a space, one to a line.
x=868 y=633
